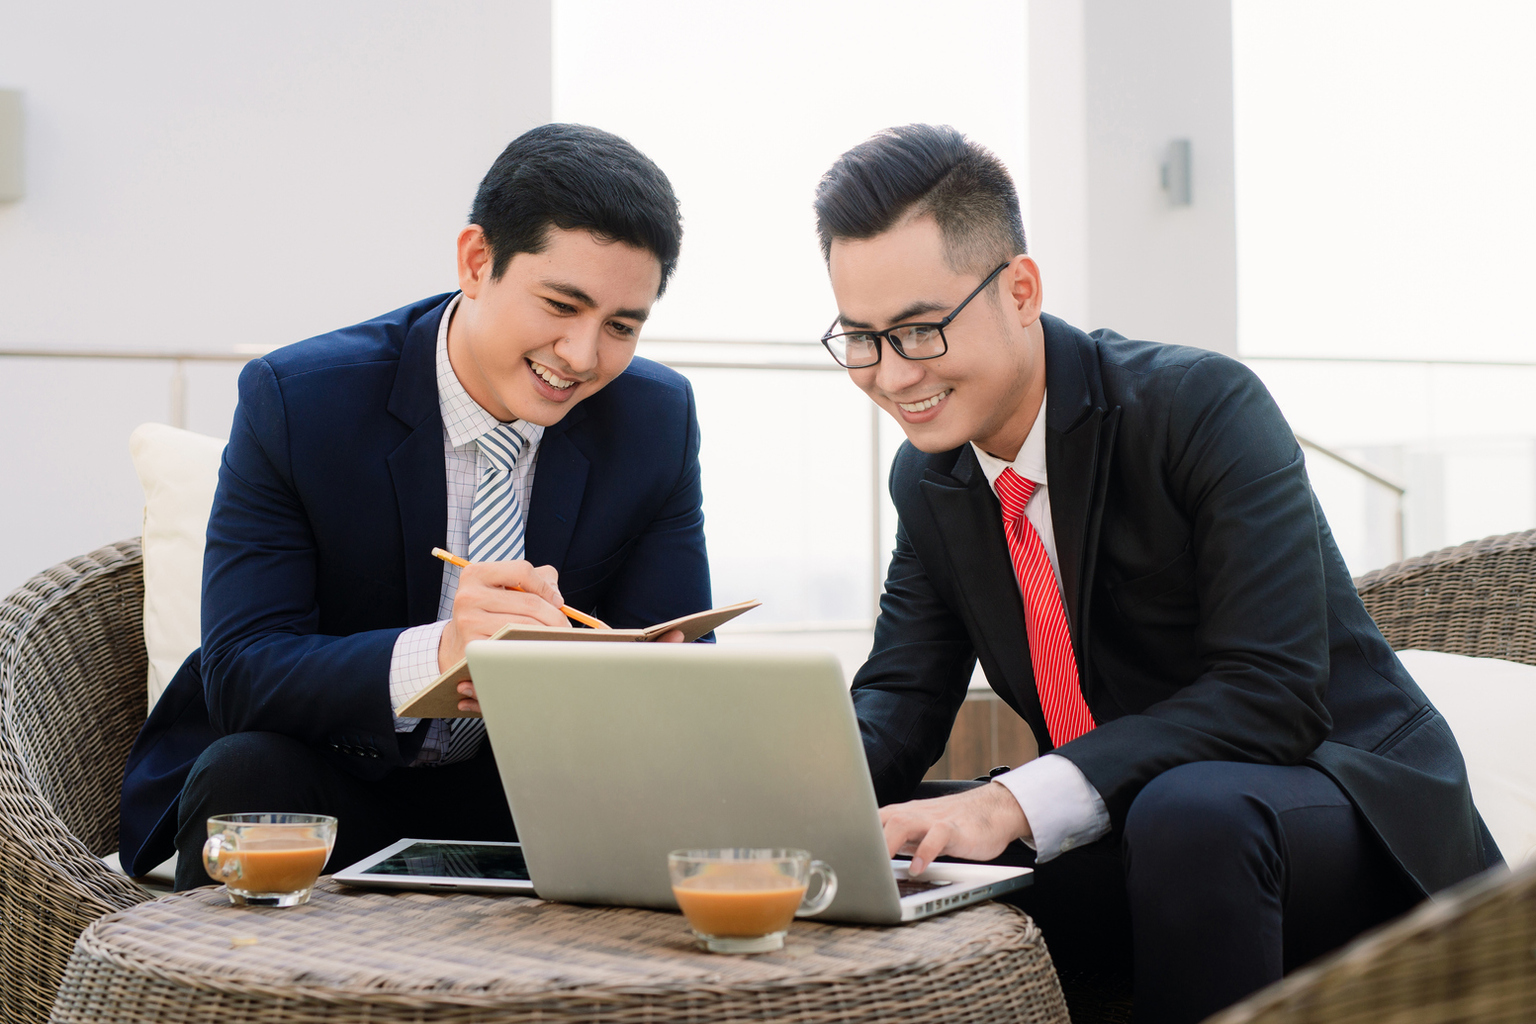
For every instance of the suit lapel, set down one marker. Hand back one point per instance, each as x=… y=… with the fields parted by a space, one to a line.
x=1079 y=443
x=970 y=523
x=559 y=482
x=1070 y=462
x=417 y=467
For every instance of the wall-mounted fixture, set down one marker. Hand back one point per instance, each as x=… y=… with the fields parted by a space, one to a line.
x=1176 y=173
x=10 y=145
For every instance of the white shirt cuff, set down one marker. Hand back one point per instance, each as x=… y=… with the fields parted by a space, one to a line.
x=1063 y=808
x=413 y=666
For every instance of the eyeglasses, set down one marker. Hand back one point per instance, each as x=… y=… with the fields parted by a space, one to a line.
x=857 y=350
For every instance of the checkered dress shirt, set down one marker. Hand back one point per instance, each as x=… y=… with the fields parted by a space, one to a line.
x=414 y=664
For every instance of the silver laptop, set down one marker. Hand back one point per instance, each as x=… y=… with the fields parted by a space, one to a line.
x=613 y=755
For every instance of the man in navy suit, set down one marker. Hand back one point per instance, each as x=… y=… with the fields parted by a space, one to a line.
x=510 y=421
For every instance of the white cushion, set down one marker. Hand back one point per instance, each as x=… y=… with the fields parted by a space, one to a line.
x=1491 y=707
x=161 y=877
x=179 y=471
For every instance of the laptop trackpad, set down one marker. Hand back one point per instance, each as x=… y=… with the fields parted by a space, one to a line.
x=912 y=886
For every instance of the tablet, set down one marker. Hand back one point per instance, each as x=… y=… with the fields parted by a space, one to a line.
x=443 y=865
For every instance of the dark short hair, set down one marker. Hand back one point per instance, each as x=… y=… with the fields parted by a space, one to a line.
x=573 y=176
x=924 y=169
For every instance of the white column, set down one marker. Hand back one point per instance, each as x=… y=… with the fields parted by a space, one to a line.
x=1112 y=83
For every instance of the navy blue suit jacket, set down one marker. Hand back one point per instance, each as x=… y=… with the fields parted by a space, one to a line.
x=332 y=494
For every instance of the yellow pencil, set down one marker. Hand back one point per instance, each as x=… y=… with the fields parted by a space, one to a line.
x=570 y=613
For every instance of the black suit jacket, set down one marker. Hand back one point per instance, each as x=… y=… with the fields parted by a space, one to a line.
x=1212 y=615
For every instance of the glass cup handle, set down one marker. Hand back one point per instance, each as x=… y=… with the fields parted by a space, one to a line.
x=213 y=856
x=814 y=905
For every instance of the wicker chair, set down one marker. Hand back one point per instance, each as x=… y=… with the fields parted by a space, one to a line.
x=72 y=671
x=1471 y=953
x=1477 y=599
x=72 y=668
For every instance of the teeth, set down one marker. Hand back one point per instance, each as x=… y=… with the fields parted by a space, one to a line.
x=550 y=378
x=925 y=404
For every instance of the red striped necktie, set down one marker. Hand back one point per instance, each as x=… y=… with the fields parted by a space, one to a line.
x=1045 y=620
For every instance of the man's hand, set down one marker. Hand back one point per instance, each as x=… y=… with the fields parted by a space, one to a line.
x=486 y=601
x=974 y=825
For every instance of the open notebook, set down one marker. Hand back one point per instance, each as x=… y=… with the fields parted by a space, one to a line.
x=441 y=699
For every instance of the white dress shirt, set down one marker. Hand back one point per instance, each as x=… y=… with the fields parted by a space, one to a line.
x=413 y=665
x=1063 y=808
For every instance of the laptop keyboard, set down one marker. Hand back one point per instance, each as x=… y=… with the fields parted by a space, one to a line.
x=909 y=886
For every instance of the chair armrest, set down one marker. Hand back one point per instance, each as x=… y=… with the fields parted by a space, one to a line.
x=1477 y=599
x=72 y=698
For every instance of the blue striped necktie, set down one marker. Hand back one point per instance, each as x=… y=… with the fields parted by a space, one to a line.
x=495 y=535
x=496 y=520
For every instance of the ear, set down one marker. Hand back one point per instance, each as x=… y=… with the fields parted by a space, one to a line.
x=1022 y=281
x=474 y=261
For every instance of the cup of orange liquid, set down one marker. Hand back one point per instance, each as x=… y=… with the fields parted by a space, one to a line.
x=742 y=900
x=268 y=859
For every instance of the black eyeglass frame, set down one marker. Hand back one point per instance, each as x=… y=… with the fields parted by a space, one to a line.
x=885 y=335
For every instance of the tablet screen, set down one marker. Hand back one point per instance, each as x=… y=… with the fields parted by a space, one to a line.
x=455 y=860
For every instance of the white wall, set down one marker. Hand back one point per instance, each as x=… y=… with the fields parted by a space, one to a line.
x=1386 y=205
x=746 y=105
x=1386 y=210
x=747 y=108
x=202 y=176
x=1111 y=83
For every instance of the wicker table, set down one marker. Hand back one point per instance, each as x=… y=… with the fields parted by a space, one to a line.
x=355 y=956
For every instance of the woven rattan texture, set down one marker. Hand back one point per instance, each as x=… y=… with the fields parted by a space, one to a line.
x=71 y=656
x=72 y=677
x=1467 y=956
x=1477 y=599
x=355 y=956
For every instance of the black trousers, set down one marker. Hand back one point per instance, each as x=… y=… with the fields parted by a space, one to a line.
x=1226 y=876
x=264 y=771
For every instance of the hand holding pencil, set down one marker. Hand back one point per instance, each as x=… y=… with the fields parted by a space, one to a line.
x=492 y=594
x=569 y=612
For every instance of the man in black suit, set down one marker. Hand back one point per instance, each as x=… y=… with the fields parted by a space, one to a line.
x=1237 y=774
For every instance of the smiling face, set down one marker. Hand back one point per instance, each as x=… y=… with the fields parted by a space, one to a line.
x=555 y=328
x=989 y=385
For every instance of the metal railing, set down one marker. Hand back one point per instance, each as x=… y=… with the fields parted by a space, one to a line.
x=769 y=356
x=1368 y=473
x=178 y=361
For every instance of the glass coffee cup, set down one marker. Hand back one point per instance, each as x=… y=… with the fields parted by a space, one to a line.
x=742 y=900
x=268 y=859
